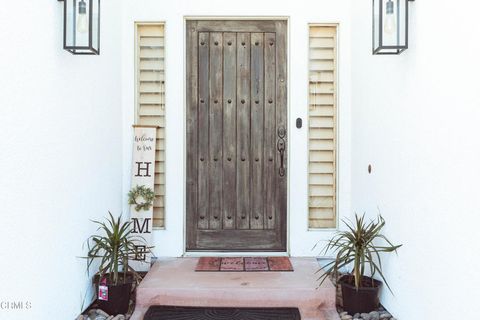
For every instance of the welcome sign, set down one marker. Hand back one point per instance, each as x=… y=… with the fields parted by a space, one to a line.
x=143 y=174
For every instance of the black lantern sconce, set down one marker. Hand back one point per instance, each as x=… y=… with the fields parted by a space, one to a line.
x=390 y=26
x=81 y=26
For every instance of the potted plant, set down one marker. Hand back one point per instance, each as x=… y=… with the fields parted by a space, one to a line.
x=113 y=248
x=360 y=247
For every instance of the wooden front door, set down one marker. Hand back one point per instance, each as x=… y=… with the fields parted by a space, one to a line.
x=236 y=135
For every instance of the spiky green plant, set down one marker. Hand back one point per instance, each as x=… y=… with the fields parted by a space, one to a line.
x=113 y=248
x=359 y=246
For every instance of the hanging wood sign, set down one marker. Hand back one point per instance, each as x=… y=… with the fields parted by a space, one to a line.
x=143 y=174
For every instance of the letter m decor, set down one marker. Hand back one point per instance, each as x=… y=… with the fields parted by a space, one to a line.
x=143 y=167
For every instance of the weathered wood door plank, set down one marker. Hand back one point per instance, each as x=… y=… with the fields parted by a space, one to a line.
x=215 y=131
x=243 y=131
x=191 y=135
x=256 y=116
x=270 y=130
x=202 y=130
x=229 y=129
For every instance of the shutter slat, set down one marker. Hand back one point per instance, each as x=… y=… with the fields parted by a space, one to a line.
x=151 y=76
x=321 y=156
x=322 y=191
x=160 y=133
x=151 y=87
x=323 y=32
x=156 y=53
x=322 y=88
x=325 y=76
x=321 y=202
x=321 y=167
x=321 y=133
x=321 y=65
x=322 y=99
x=160 y=167
x=151 y=30
x=322 y=54
x=149 y=110
x=323 y=179
x=321 y=122
x=321 y=144
x=151 y=42
x=321 y=213
x=322 y=224
x=152 y=64
x=159 y=189
x=328 y=43
x=151 y=98
x=324 y=110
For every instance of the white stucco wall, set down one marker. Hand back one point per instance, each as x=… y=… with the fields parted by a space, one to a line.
x=60 y=156
x=416 y=120
x=170 y=242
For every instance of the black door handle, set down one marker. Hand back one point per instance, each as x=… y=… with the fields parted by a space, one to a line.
x=281 y=148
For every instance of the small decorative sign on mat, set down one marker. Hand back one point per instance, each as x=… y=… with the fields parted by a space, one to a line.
x=248 y=264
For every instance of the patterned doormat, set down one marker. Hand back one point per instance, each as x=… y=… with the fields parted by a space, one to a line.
x=198 y=313
x=248 y=264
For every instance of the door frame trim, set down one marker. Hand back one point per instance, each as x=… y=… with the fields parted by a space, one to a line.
x=184 y=76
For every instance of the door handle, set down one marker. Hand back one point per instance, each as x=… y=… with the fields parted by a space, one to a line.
x=282 y=132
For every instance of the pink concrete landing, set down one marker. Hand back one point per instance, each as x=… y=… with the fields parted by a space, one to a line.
x=175 y=282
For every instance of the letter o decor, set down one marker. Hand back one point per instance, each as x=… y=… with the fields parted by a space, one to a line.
x=141 y=191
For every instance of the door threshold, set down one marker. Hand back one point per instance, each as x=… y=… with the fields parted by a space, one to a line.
x=195 y=254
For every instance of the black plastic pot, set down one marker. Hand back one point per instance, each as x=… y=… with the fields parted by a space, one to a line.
x=118 y=297
x=365 y=299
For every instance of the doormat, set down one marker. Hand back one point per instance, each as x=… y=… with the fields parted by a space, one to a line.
x=200 y=313
x=248 y=264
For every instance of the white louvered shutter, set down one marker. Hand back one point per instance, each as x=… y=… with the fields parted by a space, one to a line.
x=150 y=101
x=322 y=126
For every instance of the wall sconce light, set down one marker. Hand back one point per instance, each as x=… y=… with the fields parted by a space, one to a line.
x=390 y=26
x=81 y=26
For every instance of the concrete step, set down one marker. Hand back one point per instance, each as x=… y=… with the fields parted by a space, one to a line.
x=174 y=282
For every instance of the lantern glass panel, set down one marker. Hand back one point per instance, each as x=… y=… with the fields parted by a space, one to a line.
x=82 y=25
x=96 y=24
x=390 y=26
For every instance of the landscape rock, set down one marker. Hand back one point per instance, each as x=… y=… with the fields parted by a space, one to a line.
x=92 y=314
x=385 y=315
x=365 y=316
x=346 y=317
x=374 y=315
x=100 y=312
x=119 y=317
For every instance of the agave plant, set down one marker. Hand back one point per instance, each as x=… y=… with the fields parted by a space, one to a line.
x=359 y=246
x=113 y=248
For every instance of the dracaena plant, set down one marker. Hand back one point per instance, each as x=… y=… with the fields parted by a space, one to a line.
x=360 y=246
x=114 y=246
